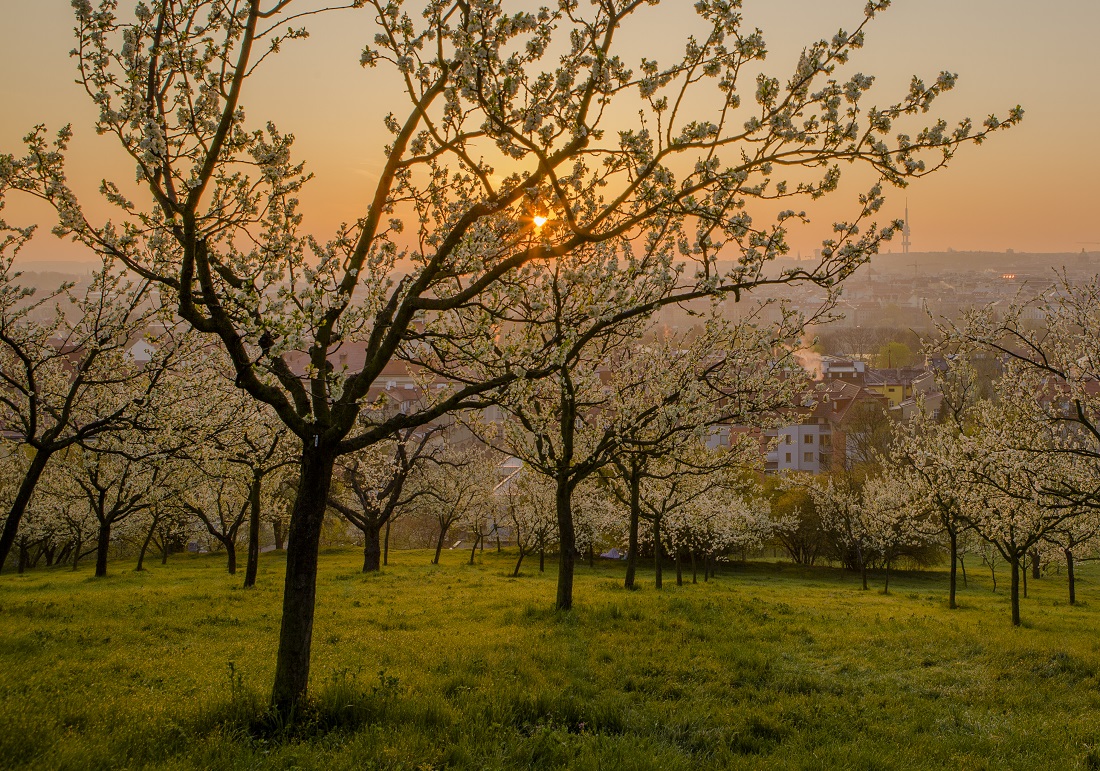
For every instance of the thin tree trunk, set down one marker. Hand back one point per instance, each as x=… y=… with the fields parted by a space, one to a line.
x=1072 y=581
x=679 y=567
x=962 y=566
x=372 y=550
x=145 y=548
x=24 y=558
x=300 y=586
x=632 y=539
x=103 y=544
x=1035 y=564
x=473 y=551
x=954 y=567
x=386 y=545
x=1015 y=594
x=19 y=505
x=439 y=544
x=542 y=559
x=567 y=544
x=76 y=554
x=164 y=551
x=522 y=554
x=886 y=585
x=657 y=577
x=231 y=554
x=1023 y=572
x=694 y=573
x=280 y=534
x=252 y=566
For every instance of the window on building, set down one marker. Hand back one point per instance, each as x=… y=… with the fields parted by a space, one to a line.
x=787 y=438
x=808 y=439
x=808 y=457
x=788 y=457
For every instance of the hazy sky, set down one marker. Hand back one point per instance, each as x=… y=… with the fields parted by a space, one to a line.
x=1030 y=189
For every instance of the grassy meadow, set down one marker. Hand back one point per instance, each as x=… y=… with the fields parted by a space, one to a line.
x=456 y=666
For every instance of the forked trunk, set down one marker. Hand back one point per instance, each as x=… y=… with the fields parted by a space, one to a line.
x=252 y=565
x=300 y=585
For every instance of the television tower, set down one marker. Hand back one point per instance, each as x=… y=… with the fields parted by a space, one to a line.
x=905 y=230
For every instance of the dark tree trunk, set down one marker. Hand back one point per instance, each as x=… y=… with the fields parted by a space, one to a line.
x=19 y=505
x=231 y=554
x=102 y=545
x=1035 y=564
x=164 y=551
x=679 y=568
x=372 y=550
x=522 y=554
x=473 y=551
x=386 y=545
x=962 y=567
x=567 y=544
x=706 y=567
x=632 y=539
x=657 y=577
x=542 y=559
x=1015 y=593
x=145 y=548
x=280 y=534
x=886 y=585
x=24 y=558
x=1023 y=571
x=252 y=566
x=439 y=544
x=954 y=567
x=694 y=572
x=76 y=554
x=862 y=568
x=591 y=555
x=300 y=585
x=1072 y=582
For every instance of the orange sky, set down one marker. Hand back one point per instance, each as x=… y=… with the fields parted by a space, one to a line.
x=1030 y=189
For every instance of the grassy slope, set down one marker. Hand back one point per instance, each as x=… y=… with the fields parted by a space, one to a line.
x=454 y=666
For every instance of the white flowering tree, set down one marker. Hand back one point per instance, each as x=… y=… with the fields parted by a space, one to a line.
x=375 y=484
x=894 y=518
x=530 y=511
x=508 y=116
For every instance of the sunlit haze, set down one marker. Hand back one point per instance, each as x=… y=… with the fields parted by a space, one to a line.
x=1030 y=189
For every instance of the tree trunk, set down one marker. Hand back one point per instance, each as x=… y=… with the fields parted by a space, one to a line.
x=1035 y=564
x=1023 y=571
x=567 y=544
x=164 y=551
x=954 y=567
x=386 y=545
x=19 y=505
x=862 y=568
x=372 y=551
x=886 y=585
x=102 y=545
x=522 y=554
x=591 y=555
x=24 y=558
x=473 y=551
x=252 y=566
x=76 y=554
x=542 y=559
x=679 y=568
x=632 y=540
x=145 y=548
x=1015 y=593
x=280 y=534
x=1072 y=582
x=657 y=577
x=962 y=567
x=439 y=544
x=231 y=554
x=300 y=585
x=694 y=573
x=706 y=567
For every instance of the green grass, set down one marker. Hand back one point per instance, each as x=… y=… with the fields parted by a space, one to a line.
x=423 y=667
